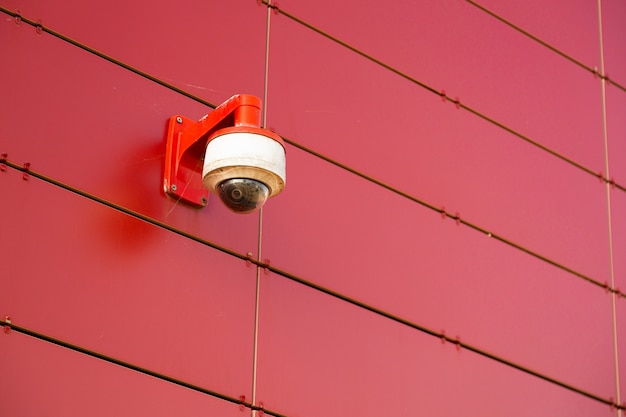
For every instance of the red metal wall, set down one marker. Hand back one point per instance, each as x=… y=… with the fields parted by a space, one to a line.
x=451 y=239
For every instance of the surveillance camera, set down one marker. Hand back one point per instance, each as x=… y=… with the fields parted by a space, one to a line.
x=241 y=162
x=245 y=167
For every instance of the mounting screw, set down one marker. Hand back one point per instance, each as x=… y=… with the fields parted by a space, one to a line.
x=203 y=201
x=173 y=187
x=179 y=119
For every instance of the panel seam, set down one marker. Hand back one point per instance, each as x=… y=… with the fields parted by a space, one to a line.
x=253 y=411
x=609 y=217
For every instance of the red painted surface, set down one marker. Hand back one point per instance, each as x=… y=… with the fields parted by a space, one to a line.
x=572 y=30
x=114 y=148
x=450 y=46
x=116 y=285
x=324 y=357
x=42 y=379
x=405 y=136
x=618 y=206
x=444 y=276
x=616 y=128
x=187 y=43
x=613 y=15
x=514 y=268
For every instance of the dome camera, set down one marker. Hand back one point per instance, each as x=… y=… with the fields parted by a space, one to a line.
x=244 y=167
x=241 y=162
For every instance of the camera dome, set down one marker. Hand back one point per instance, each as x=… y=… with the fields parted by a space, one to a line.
x=244 y=153
x=243 y=195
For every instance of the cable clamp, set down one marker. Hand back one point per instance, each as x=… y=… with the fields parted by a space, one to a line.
x=25 y=175
x=7 y=326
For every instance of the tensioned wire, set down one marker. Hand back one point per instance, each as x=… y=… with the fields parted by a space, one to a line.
x=293 y=277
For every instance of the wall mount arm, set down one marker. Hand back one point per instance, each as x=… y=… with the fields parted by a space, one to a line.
x=187 y=140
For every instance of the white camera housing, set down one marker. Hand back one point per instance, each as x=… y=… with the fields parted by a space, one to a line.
x=245 y=167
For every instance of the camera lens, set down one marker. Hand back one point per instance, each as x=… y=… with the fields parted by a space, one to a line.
x=243 y=195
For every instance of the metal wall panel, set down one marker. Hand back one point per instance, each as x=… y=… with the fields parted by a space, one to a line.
x=572 y=30
x=40 y=379
x=406 y=137
x=100 y=128
x=616 y=134
x=396 y=255
x=452 y=46
x=613 y=17
x=618 y=208
x=425 y=219
x=618 y=222
x=92 y=276
x=621 y=336
x=212 y=49
x=321 y=356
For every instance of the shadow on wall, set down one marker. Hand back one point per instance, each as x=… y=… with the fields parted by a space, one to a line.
x=135 y=185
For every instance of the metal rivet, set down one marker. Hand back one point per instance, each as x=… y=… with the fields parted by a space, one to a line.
x=179 y=119
x=174 y=187
x=203 y=201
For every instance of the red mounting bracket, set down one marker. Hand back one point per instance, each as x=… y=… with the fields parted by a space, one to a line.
x=186 y=145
